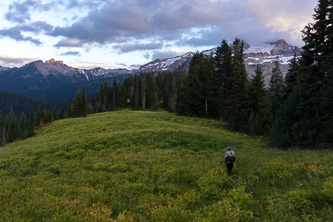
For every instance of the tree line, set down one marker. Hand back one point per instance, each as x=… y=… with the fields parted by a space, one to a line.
x=293 y=111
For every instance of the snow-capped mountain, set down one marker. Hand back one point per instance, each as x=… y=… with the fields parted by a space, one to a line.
x=169 y=64
x=40 y=75
x=3 y=68
x=266 y=54
x=263 y=54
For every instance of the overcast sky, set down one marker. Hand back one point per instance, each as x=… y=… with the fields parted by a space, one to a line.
x=127 y=33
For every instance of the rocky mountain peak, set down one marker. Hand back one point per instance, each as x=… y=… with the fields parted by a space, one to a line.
x=283 y=48
x=54 y=61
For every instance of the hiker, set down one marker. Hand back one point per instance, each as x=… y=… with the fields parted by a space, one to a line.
x=229 y=159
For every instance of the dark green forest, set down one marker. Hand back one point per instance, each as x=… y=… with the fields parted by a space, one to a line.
x=294 y=111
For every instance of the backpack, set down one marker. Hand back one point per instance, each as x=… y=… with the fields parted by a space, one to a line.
x=231 y=157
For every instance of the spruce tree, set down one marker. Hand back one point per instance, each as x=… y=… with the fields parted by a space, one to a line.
x=78 y=101
x=84 y=103
x=315 y=64
x=101 y=98
x=275 y=87
x=290 y=80
x=143 y=90
x=135 y=97
x=258 y=105
x=122 y=96
x=31 y=131
x=213 y=89
x=282 y=132
x=173 y=94
x=41 y=112
x=11 y=127
x=166 y=94
x=236 y=84
x=151 y=89
x=1 y=128
x=183 y=94
x=54 y=113
x=196 y=97
x=23 y=124
x=114 y=94
x=223 y=73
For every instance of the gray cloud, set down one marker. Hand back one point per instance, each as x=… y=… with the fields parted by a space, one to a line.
x=37 y=27
x=165 y=54
x=170 y=20
x=20 y=11
x=66 y=42
x=130 y=47
x=15 y=62
x=147 y=56
x=71 y=53
x=83 y=4
x=142 y=20
x=134 y=66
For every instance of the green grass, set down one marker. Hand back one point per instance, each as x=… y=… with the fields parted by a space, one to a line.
x=155 y=166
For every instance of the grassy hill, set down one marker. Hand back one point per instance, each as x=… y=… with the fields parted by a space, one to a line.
x=148 y=166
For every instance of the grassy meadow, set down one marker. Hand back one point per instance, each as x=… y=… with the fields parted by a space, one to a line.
x=156 y=166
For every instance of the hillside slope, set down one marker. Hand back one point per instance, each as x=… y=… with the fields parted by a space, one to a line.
x=148 y=166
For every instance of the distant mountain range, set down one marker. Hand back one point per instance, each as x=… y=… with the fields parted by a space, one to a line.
x=54 y=77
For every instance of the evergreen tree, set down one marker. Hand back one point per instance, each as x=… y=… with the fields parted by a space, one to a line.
x=1 y=128
x=258 y=105
x=196 y=98
x=102 y=98
x=315 y=64
x=183 y=94
x=135 y=97
x=31 y=131
x=212 y=93
x=166 y=94
x=143 y=90
x=54 y=113
x=11 y=127
x=234 y=87
x=41 y=112
x=326 y=107
x=275 y=87
x=223 y=72
x=78 y=101
x=282 y=132
x=84 y=103
x=122 y=96
x=172 y=94
x=23 y=124
x=290 y=80
x=114 y=94
x=151 y=89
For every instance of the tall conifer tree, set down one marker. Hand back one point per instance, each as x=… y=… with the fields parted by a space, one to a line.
x=41 y=112
x=122 y=96
x=135 y=98
x=315 y=65
x=1 y=128
x=290 y=80
x=23 y=123
x=258 y=105
x=84 y=103
x=31 y=131
x=11 y=127
x=114 y=93
x=78 y=103
x=143 y=90
x=275 y=87
x=223 y=72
